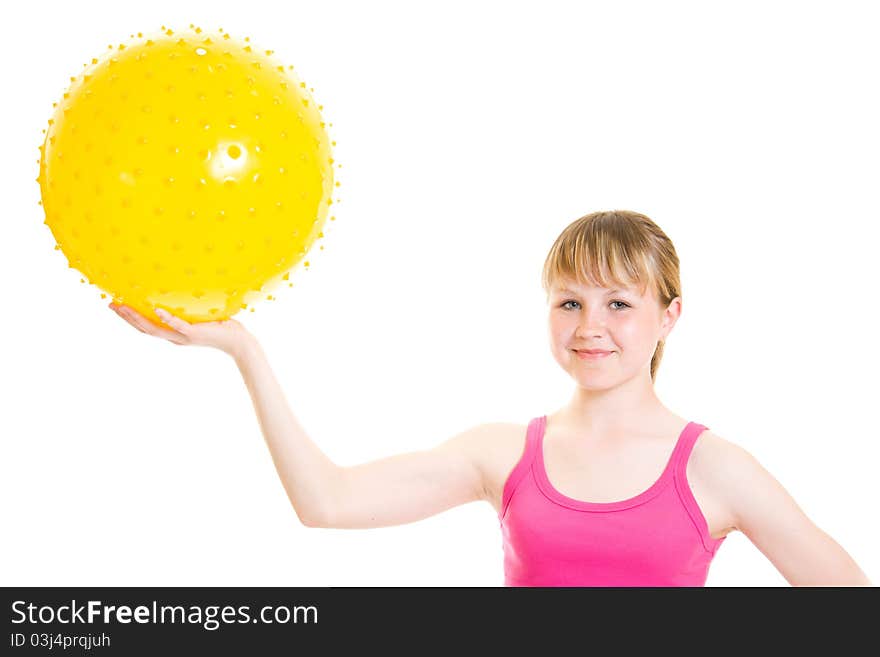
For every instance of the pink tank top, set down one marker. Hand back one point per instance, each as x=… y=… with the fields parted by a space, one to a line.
x=657 y=538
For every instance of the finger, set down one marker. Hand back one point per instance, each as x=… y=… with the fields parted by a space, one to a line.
x=176 y=323
x=144 y=325
x=137 y=320
x=127 y=317
x=135 y=317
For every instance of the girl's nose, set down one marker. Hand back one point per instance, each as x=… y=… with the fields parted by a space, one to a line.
x=592 y=322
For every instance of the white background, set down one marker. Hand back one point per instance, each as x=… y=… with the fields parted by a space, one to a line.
x=469 y=134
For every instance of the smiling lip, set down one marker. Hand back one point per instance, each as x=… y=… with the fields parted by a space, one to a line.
x=592 y=354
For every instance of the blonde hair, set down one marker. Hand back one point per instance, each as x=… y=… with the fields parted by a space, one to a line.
x=620 y=247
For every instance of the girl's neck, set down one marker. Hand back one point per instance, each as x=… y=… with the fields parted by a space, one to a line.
x=630 y=407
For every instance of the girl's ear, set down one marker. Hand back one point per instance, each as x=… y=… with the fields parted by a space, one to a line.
x=671 y=315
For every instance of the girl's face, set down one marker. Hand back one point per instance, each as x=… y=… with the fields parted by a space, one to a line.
x=622 y=323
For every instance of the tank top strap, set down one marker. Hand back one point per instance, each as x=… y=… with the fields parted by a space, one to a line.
x=524 y=465
x=685 y=446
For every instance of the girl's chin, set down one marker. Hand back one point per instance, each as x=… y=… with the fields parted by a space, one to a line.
x=597 y=378
x=595 y=381
x=595 y=386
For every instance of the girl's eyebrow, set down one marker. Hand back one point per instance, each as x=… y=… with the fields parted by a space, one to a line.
x=565 y=290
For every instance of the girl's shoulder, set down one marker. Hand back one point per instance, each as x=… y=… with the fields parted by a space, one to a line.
x=719 y=467
x=714 y=457
x=497 y=448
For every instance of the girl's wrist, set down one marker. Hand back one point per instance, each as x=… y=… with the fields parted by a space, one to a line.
x=243 y=347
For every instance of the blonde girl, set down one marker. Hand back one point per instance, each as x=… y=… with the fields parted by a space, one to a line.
x=611 y=489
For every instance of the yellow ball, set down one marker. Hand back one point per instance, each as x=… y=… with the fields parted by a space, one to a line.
x=186 y=171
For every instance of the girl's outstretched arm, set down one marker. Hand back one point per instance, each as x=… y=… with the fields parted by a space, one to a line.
x=771 y=519
x=390 y=491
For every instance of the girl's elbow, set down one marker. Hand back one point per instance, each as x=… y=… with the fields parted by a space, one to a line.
x=314 y=521
x=313 y=518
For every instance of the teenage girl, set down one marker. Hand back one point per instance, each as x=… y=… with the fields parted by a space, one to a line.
x=611 y=489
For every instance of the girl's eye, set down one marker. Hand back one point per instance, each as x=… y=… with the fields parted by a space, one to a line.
x=623 y=304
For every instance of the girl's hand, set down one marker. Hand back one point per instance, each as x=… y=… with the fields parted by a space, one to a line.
x=227 y=335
